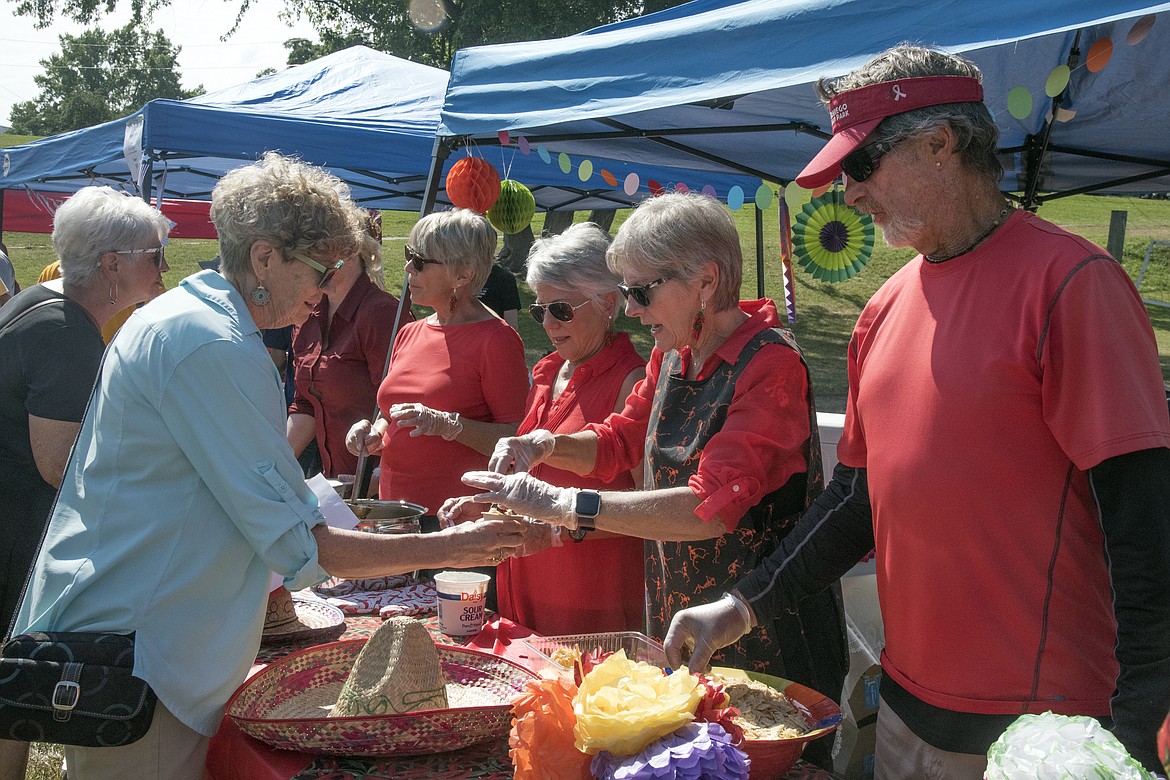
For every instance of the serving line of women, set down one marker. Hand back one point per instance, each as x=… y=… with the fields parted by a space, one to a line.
x=183 y=493
x=457 y=379
x=553 y=585
x=726 y=420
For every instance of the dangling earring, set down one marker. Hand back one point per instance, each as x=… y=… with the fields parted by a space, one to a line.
x=454 y=297
x=113 y=293
x=261 y=296
x=697 y=325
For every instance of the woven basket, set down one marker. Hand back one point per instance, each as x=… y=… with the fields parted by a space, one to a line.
x=285 y=705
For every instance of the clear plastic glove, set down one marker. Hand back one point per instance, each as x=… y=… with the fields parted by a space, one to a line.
x=363 y=434
x=526 y=496
x=521 y=453
x=538 y=537
x=426 y=421
x=483 y=541
x=460 y=510
x=696 y=633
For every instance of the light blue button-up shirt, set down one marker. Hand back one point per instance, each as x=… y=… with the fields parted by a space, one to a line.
x=181 y=494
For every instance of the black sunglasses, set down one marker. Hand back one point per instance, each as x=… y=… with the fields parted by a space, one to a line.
x=418 y=261
x=560 y=310
x=861 y=163
x=640 y=292
x=158 y=259
x=327 y=272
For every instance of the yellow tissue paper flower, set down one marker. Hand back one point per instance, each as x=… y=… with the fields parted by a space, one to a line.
x=622 y=705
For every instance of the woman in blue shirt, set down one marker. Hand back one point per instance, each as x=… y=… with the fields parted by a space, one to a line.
x=182 y=492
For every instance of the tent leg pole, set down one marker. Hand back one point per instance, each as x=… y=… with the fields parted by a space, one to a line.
x=442 y=150
x=759 y=253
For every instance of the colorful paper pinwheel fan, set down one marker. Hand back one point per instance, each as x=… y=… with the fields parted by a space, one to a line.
x=832 y=240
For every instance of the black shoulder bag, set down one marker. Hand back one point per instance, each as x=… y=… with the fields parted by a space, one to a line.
x=72 y=688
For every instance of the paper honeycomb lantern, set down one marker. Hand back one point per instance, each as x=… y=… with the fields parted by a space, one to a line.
x=514 y=208
x=473 y=183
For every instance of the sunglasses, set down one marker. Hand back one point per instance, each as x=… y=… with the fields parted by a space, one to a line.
x=327 y=273
x=640 y=292
x=418 y=261
x=558 y=309
x=158 y=259
x=861 y=163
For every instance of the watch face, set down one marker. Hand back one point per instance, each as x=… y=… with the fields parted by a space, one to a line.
x=588 y=503
x=578 y=534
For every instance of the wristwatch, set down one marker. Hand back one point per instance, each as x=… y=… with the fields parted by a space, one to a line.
x=588 y=506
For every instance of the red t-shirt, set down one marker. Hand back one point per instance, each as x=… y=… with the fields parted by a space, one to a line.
x=584 y=600
x=476 y=369
x=338 y=366
x=755 y=452
x=984 y=387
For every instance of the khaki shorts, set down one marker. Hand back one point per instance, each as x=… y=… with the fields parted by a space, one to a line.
x=169 y=751
x=899 y=755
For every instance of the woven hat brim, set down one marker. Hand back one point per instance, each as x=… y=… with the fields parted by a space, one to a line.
x=313 y=674
x=315 y=620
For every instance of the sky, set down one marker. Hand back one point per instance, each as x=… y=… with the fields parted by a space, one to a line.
x=195 y=25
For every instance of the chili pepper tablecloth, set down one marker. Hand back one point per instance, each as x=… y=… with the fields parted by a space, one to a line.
x=235 y=756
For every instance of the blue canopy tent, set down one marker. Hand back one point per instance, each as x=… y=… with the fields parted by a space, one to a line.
x=368 y=117
x=727 y=86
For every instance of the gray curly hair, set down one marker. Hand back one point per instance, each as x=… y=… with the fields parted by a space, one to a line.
x=294 y=206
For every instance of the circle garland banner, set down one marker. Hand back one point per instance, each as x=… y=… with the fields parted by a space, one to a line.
x=832 y=240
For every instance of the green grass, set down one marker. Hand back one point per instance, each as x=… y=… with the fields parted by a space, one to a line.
x=11 y=139
x=825 y=312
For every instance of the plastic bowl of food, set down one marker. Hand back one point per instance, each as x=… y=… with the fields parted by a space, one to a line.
x=773 y=756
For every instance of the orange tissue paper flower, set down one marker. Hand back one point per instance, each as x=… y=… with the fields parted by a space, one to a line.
x=541 y=740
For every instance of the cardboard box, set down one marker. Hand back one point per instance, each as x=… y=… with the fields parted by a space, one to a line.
x=854 y=758
x=860 y=765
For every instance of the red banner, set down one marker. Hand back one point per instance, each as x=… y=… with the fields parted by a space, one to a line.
x=26 y=212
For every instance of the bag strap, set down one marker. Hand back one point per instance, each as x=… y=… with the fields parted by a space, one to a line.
x=30 y=310
x=72 y=450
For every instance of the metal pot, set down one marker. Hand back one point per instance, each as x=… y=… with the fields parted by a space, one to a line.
x=386 y=517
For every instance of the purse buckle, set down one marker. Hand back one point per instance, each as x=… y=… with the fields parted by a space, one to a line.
x=66 y=694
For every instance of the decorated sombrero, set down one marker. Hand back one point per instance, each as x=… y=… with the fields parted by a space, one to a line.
x=832 y=240
x=287 y=704
x=296 y=618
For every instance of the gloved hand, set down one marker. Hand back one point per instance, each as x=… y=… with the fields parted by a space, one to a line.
x=526 y=495
x=700 y=631
x=521 y=453
x=538 y=537
x=460 y=509
x=426 y=421
x=363 y=434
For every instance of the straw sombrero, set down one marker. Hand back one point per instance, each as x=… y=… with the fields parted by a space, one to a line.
x=286 y=705
x=295 y=618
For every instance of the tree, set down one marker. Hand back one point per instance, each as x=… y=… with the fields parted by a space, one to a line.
x=100 y=76
x=430 y=31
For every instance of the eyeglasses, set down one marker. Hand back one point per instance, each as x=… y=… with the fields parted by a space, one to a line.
x=560 y=310
x=861 y=163
x=327 y=272
x=418 y=261
x=640 y=292
x=158 y=259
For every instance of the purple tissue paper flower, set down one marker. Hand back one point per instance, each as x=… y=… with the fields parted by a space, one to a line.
x=697 y=751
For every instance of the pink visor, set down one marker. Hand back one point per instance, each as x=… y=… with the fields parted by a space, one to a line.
x=856 y=112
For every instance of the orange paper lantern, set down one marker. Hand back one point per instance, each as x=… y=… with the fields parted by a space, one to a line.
x=473 y=183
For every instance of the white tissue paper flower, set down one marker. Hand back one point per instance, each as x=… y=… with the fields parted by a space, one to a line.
x=1060 y=747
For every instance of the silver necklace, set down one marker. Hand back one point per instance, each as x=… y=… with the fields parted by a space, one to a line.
x=1003 y=215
